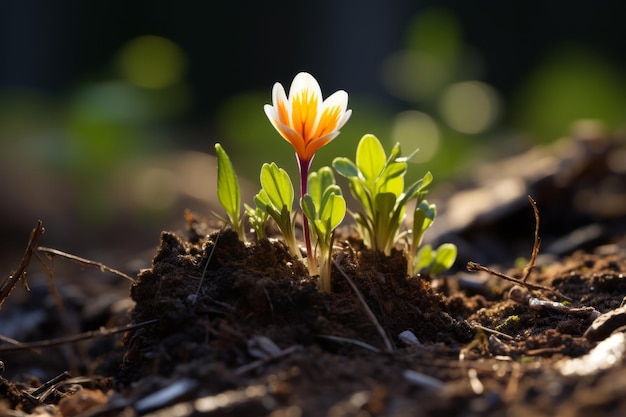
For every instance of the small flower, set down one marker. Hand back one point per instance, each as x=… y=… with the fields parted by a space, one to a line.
x=304 y=119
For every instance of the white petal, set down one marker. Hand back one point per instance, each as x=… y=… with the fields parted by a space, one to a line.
x=271 y=114
x=305 y=81
x=338 y=98
x=278 y=94
x=344 y=119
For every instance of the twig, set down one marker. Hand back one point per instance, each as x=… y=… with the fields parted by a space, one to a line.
x=83 y=261
x=8 y=285
x=75 y=338
x=260 y=362
x=537 y=242
x=208 y=260
x=488 y=330
x=350 y=341
x=474 y=266
x=368 y=311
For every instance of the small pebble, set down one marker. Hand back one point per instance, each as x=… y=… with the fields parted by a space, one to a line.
x=605 y=324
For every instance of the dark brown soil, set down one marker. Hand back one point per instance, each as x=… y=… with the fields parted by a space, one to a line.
x=241 y=330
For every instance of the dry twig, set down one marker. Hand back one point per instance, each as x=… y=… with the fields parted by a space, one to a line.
x=8 y=285
x=537 y=242
x=55 y=252
x=474 y=266
x=74 y=338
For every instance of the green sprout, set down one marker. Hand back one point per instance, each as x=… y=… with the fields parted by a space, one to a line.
x=325 y=208
x=377 y=182
x=276 y=199
x=257 y=219
x=427 y=259
x=228 y=192
x=435 y=261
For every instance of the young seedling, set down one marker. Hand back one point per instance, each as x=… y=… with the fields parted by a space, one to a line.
x=257 y=219
x=307 y=122
x=228 y=192
x=377 y=182
x=435 y=261
x=276 y=199
x=325 y=208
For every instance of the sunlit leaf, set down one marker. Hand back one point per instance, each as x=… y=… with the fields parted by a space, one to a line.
x=370 y=158
x=228 y=192
x=345 y=167
x=424 y=258
x=444 y=258
x=277 y=185
x=333 y=211
x=308 y=207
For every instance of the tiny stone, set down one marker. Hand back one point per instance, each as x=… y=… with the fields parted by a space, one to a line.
x=519 y=294
x=409 y=339
x=497 y=347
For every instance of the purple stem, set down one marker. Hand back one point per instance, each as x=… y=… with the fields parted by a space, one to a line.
x=304 y=167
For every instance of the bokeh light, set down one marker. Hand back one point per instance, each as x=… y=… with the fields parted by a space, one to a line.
x=573 y=83
x=152 y=62
x=470 y=107
x=416 y=130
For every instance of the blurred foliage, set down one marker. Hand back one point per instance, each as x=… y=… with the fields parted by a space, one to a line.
x=439 y=100
x=573 y=83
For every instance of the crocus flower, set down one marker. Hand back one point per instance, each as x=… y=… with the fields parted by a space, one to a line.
x=308 y=122
x=304 y=119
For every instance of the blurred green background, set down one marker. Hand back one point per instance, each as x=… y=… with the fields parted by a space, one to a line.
x=109 y=110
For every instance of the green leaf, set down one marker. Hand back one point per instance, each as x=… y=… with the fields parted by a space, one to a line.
x=319 y=183
x=394 y=155
x=393 y=170
x=444 y=258
x=314 y=187
x=384 y=227
x=257 y=219
x=370 y=158
x=345 y=167
x=424 y=258
x=228 y=192
x=333 y=211
x=416 y=187
x=308 y=207
x=329 y=191
x=423 y=217
x=408 y=157
x=393 y=185
x=277 y=185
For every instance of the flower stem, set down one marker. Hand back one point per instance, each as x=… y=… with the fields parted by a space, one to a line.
x=304 y=167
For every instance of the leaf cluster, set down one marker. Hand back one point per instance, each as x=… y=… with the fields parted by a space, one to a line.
x=377 y=182
x=325 y=208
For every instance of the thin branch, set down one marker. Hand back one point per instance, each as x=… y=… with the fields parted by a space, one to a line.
x=487 y=329
x=8 y=285
x=350 y=341
x=75 y=338
x=219 y=233
x=55 y=252
x=474 y=266
x=537 y=242
x=367 y=309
